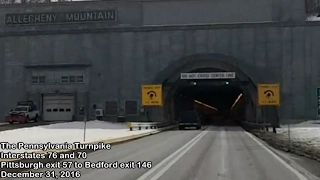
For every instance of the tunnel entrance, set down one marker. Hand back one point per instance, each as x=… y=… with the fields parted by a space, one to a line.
x=218 y=102
x=234 y=99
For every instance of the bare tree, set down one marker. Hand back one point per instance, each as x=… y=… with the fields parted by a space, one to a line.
x=312 y=7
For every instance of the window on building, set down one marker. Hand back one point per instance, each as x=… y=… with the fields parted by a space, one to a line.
x=38 y=79
x=111 y=108
x=72 y=79
x=131 y=107
x=79 y=79
x=64 y=79
x=35 y=79
x=42 y=79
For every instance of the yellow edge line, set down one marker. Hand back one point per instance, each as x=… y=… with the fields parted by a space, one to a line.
x=106 y=141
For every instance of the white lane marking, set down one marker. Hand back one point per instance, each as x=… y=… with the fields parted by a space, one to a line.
x=224 y=150
x=294 y=171
x=165 y=164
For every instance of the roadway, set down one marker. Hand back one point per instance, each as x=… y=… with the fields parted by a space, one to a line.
x=217 y=153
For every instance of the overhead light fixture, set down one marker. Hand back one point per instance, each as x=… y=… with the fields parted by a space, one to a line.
x=235 y=102
x=206 y=105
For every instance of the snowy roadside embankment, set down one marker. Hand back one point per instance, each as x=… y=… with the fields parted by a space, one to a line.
x=307 y=135
x=304 y=139
x=68 y=132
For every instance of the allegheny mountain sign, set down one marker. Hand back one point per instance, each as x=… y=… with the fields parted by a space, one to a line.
x=61 y=17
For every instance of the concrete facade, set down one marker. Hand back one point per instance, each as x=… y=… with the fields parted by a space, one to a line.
x=116 y=58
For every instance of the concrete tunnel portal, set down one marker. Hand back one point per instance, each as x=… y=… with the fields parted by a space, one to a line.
x=218 y=101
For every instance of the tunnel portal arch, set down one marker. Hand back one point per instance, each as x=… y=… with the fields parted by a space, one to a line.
x=170 y=77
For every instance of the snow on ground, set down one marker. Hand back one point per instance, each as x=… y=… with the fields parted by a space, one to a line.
x=68 y=132
x=313 y=18
x=303 y=123
x=307 y=132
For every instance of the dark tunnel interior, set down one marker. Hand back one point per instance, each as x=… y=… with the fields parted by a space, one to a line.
x=218 y=102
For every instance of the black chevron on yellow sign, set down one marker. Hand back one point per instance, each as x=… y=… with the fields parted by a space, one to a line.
x=268 y=94
x=151 y=95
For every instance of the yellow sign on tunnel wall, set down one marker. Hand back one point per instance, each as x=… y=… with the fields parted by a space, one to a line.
x=269 y=94
x=151 y=95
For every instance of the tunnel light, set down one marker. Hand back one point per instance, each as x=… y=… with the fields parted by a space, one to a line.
x=235 y=102
x=206 y=105
x=227 y=82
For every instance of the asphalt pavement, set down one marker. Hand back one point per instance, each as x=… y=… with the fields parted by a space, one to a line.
x=216 y=153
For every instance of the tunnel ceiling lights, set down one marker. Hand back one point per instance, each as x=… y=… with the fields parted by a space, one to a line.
x=206 y=105
x=211 y=83
x=208 y=83
x=235 y=102
x=216 y=83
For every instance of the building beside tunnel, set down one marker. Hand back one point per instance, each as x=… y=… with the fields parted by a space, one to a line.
x=97 y=54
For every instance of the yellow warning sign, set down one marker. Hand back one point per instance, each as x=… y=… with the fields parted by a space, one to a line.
x=269 y=94
x=152 y=95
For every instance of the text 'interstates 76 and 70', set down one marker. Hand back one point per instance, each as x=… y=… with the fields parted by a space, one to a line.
x=69 y=167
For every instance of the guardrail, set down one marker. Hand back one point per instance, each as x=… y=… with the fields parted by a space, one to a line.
x=146 y=125
x=250 y=125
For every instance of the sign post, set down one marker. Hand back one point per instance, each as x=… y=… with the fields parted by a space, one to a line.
x=82 y=112
x=269 y=94
x=85 y=127
x=151 y=95
x=289 y=137
x=318 y=98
